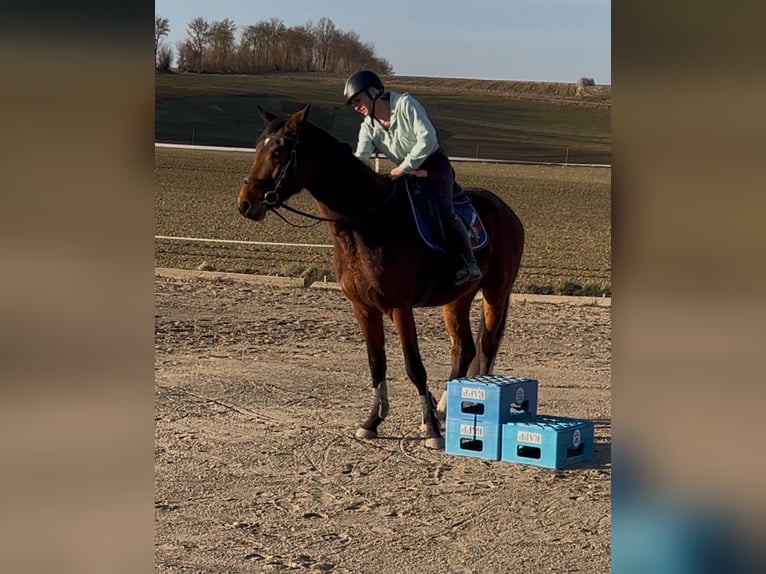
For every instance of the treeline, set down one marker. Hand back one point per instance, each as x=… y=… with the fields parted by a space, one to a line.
x=268 y=45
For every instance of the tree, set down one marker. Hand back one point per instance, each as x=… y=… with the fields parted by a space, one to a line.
x=324 y=32
x=348 y=54
x=164 y=58
x=270 y=45
x=161 y=29
x=296 y=51
x=221 y=40
x=249 y=47
x=275 y=30
x=186 y=57
x=198 y=31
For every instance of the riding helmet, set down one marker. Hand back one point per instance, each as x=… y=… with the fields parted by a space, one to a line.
x=362 y=82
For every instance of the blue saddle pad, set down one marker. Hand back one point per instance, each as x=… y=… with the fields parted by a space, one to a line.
x=477 y=233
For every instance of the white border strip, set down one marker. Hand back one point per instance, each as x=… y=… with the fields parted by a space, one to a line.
x=235 y=241
x=301 y=282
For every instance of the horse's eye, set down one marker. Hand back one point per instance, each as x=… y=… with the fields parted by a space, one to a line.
x=275 y=155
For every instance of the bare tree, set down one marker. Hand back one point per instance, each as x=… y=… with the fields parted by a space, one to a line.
x=348 y=54
x=164 y=58
x=221 y=39
x=249 y=46
x=198 y=31
x=275 y=43
x=161 y=29
x=324 y=32
x=186 y=57
x=271 y=45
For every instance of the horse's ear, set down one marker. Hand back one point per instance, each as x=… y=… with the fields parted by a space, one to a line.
x=267 y=117
x=301 y=116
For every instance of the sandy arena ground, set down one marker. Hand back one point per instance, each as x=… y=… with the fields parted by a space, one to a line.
x=258 y=392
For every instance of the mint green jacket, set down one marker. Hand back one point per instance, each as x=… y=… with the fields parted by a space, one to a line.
x=409 y=140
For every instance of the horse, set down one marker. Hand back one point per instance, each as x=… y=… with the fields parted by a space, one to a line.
x=380 y=263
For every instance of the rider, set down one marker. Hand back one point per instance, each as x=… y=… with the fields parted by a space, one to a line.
x=401 y=130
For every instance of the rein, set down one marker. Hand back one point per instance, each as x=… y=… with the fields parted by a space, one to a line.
x=342 y=218
x=273 y=201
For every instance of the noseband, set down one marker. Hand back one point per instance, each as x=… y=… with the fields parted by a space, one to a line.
x=271 y=198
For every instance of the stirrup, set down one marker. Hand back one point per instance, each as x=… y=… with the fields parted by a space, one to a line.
x=467 y=274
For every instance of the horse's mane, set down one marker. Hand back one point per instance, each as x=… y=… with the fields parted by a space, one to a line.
x=345 y=152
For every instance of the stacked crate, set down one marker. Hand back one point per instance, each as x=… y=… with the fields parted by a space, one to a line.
x=545 y=440
x=495 y=417
x=477 y=408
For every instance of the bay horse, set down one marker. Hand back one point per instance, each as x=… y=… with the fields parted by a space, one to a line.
x=379 y=261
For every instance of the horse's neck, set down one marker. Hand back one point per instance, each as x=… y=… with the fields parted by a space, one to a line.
x=344 y=187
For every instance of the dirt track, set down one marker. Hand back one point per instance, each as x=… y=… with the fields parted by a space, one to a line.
x=258 y=392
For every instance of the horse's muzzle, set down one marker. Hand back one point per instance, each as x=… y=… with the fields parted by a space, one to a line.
x=251 y=211
x=248 y=206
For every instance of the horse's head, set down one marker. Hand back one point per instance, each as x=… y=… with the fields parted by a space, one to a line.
x=274 y=176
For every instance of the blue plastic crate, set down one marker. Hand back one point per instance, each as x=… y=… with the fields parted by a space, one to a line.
x=469 y=438
x=491 y=398
x=545 y=440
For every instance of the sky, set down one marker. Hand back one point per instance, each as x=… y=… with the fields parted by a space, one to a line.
x=527 y=40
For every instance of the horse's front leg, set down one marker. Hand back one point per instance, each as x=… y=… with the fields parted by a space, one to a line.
x=405 y=326
x=370 y=321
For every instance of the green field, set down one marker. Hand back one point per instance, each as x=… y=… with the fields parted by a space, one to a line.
x=565 y=211
x=527 y=121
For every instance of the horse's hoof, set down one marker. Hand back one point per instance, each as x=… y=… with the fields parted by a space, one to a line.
x=441 y=416
x=366 y=433
x=435 y=443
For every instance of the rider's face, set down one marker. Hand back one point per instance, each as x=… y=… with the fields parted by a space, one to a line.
x=362 y=103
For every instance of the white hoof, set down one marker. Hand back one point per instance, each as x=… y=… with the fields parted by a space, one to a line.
x=364 y=433
x=435 y=443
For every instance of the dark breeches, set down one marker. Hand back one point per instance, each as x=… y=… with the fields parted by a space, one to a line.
x=440 y=179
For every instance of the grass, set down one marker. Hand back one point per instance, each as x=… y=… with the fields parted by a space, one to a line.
x=528 y=121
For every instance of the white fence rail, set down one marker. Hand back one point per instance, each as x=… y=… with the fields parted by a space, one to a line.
x=452 y=158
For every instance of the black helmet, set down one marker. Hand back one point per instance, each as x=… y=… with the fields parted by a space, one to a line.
x=362 y=82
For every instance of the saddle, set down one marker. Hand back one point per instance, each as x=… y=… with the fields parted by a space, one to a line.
x=427 y=221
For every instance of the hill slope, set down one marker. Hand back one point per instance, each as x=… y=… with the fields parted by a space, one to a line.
x=528 y=121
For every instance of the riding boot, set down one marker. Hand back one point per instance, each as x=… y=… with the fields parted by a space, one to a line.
x=456 y=236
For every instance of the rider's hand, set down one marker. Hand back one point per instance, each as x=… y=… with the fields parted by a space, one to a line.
x=397 y=172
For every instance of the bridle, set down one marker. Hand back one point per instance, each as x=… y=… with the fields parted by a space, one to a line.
x=271 y=198
x=273 y=201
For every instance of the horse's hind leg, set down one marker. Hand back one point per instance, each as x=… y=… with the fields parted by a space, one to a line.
x=490 y=334
x=408 y=337
x=370 y=321
x=457 y=320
